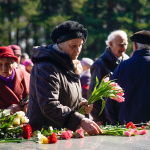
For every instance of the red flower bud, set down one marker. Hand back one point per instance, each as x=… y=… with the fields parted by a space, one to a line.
x=27 y=131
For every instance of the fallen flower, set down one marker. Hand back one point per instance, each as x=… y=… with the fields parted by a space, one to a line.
x=133 y=131
x=143 y=127
x=127 y=133
x=142 y=132
x=19 y=114
x=81 y=133
x=52 y=138
x=24 y=120
x=130 y=124
x=16 y=121
x=66 y=135
x=42 y=139
x=70 y=132
x=27 y=131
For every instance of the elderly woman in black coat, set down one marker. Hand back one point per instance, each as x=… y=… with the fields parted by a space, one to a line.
x=55 y=90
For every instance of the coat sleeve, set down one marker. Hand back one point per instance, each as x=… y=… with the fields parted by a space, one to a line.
x=97 y=70
x=47 y=87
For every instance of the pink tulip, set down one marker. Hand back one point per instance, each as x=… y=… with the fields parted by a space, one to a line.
x=120 y=93
x=133 y=132
x=65 y=135
x=142 y=132
x=114 y=84
x=127 y=133
x=70 y=132
x=106 y=79
x=80 y=132
x=118 y=98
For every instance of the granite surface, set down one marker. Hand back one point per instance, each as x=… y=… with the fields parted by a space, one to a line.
x=139 y=142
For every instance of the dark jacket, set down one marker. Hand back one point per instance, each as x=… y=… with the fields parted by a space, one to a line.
x=133 y=75
x=20 y=89
x=105 y=65
x=85 y=83
x=55 y=91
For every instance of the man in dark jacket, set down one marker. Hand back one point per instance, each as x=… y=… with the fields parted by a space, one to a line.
x=55 y=89
x=105 y=65
x=133 y=75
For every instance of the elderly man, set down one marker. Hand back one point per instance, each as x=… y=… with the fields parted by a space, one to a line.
x=116 y=42
x=133 y=75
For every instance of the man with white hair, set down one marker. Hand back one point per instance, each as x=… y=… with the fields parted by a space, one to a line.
x=116 y=42
x=133 y=75
x=85 y=77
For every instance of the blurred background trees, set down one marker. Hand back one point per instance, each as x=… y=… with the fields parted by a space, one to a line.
x=29 y=23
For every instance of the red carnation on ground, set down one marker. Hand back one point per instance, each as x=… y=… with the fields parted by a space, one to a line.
x=52 y=138
x=143 y=127
x=130 y=124
x=27 y=131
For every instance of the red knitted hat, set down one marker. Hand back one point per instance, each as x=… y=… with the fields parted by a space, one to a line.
x=7 y=52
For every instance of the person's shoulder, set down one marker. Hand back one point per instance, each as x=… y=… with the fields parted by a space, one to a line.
x=99 y=61
x=22 y=72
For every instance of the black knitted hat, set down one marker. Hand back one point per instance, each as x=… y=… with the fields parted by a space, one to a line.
x=142 y=37
x=69 y=30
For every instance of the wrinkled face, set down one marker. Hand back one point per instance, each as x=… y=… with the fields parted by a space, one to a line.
x=6 y=67
x=72 y=47
x=118 y=46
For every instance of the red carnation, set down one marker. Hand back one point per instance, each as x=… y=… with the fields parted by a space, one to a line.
x=146 y=124
x=143 y=127
x=52 y=138
x=27 y=131
x=130 y=124
x=133 y=126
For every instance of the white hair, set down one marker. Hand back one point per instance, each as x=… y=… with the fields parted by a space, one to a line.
x=143 y=46
x=113 y=34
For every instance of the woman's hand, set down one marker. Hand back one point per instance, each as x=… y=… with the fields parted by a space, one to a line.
x=14 y=108
x=88 y=108
x=90 y=126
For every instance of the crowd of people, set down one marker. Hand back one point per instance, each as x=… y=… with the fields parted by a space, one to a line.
x=52 y=90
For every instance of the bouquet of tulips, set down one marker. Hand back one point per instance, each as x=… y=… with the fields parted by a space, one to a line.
x=104 y=90
x=13 y=127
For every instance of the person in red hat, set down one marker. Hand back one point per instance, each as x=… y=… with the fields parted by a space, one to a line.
x=28 y=65
x=14 y=82
x=17 y=52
